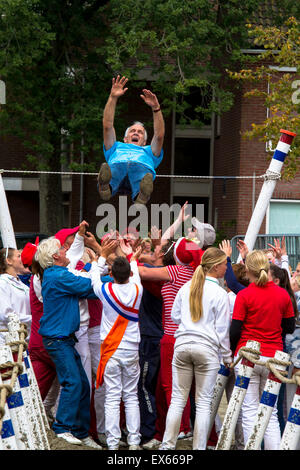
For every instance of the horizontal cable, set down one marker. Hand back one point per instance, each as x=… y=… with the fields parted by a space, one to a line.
x=75 y=173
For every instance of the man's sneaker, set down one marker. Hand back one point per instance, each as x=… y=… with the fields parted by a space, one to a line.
x=67 y=436
x=113 y=448
x=153 y=444
x=146 y=188
x=104 y=178
x=89 y=442
x=102 y=438
x=135 y=447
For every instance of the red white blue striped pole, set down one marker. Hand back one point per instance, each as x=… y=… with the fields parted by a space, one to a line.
x=267 y=403
x=236 y=399
x=268 y=187
x=291 y=434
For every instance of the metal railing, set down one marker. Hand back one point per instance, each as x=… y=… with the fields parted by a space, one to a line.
x=292 y=241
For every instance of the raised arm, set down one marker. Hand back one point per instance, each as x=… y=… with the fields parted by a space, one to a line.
x=118 y=89
x=158 y=121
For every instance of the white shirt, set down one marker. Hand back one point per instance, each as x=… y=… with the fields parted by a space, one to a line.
x=14 y=298
x=212 y=329
x=126 y=293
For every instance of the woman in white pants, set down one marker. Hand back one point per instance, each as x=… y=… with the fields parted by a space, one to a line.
x=201 y=309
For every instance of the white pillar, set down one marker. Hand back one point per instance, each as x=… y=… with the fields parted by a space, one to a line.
x=8 y=439
x=6 y=226
x=15 y=403
x=272 y=174
x=291 y=434
x=222 y=379
x=267 y=403
x=236 y=400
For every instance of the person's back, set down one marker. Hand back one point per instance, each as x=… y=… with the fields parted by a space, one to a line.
x=213 y=326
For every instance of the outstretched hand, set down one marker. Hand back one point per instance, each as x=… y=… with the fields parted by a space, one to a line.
x=118 y=87
x=150 y=99
x=226 y=247
x=242 y=247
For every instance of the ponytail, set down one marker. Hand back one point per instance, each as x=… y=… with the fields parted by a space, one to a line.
x=258 y=265
x=211 y=257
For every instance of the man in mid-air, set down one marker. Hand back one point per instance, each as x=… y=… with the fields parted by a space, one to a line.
x=131 y=164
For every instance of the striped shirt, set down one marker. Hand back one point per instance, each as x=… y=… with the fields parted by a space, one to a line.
x=179 y=275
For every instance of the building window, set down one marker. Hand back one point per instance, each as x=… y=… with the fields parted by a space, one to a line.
x=192 y=157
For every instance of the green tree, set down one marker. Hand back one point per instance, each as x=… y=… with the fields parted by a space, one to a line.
x=278 y=68
x=54 y=81
x=59 y=56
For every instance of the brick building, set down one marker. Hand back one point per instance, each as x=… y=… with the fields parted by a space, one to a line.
x=217 y=149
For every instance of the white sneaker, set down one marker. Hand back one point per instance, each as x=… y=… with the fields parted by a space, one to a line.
x=67 y=436
x=102 y=438
x=88 y=441
x=113 y=448
x=153 y=444
x=135 y=447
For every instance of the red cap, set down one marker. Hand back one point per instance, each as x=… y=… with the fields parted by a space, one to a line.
x=64 y=233
x=186 y=252
x=28 y=252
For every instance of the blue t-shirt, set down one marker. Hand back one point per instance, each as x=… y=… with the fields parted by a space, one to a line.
x=121 y=152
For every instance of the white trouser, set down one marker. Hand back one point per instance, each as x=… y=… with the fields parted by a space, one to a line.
x=250 y=405
x=99 y=394
x=121 y=378
x=83 y=349
x=189 y=360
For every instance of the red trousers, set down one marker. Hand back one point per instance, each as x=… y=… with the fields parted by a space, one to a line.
x=44 y=369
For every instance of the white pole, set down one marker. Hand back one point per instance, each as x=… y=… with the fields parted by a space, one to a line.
x=291 y=434
x=8 y=439
x=16 y=407
x=272 y=175
x=6 y=226
x=236 y=400
x=222 y=379
x=267 y=403
x=39 y=414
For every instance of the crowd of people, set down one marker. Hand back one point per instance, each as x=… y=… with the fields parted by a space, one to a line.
x=126 y=335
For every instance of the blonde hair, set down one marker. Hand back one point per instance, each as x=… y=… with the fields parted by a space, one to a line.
x=46 y=249
x=258 y=265
x=210 y=258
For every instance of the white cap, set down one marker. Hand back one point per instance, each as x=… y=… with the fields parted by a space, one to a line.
x=206 y=233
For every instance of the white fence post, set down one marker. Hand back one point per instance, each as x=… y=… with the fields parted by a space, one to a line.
x=267 y=403
x=272 y=175
x=8 y=439
x=291 y=433
x=39 y=419
x=222 y=379
x=236 y=399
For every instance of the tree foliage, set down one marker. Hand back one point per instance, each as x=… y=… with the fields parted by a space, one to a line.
x=278 y=67
x=57 y=58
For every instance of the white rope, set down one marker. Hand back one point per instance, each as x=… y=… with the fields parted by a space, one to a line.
x=75 y=173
